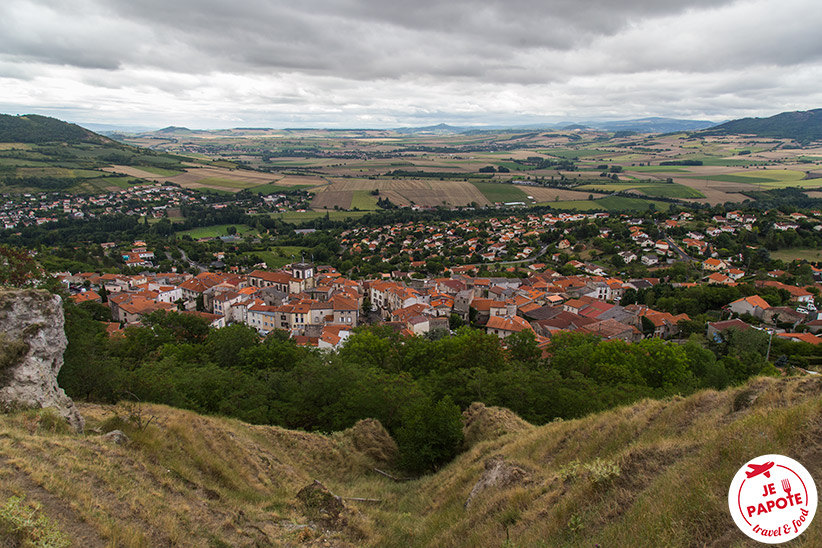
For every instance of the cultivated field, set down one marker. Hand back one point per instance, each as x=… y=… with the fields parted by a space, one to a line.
x=544 y=194
x=611 y=203
x=215 y=178
x=331 y=199
x=342 y=167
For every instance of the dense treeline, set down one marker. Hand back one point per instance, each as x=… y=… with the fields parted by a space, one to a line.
x=407 y=383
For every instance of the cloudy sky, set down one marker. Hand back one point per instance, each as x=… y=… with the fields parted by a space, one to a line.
x=389 y=63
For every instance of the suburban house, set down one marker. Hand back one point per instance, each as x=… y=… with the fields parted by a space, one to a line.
x=753 y=305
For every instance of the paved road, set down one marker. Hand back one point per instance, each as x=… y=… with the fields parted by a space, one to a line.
x=678 y=249
x=198 y=266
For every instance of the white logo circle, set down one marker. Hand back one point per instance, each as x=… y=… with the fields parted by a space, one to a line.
x=772 y=499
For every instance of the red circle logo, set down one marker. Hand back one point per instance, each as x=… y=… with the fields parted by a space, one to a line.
x=772 y=499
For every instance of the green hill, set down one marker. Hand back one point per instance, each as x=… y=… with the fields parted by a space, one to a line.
x=655 y=473
x=802 y=126
x=38 y=153
x=33 y=128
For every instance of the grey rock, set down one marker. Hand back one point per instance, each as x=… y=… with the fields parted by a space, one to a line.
x=116 y=437
x=32 y=342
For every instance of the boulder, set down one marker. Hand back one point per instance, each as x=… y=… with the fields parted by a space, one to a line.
x=498 y=474
x=32 y=342
x=116 y=437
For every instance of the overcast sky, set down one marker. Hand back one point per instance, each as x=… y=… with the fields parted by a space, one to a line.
x=389 y=63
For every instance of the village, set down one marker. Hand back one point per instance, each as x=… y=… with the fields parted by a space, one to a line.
x=151 y=201
x=541 y=290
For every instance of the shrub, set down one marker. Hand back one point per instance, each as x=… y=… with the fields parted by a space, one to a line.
x=598 y=471
x=23 y=525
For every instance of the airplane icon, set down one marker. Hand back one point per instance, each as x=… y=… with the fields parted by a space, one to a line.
x=757 y=469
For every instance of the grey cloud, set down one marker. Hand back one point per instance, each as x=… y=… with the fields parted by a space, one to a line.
x=386 y=61
x=359 y=39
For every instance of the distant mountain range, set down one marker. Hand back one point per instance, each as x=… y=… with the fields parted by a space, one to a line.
x=640 y=125
x=107 y=129
x=803 y=126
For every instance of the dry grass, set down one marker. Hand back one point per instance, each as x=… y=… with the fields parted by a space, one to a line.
x=655 y=473
x=652 y=474
x=184 y=480
x=483 y=423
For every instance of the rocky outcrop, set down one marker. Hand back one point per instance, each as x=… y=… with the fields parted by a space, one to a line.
x=32 y=342
x=498 y=474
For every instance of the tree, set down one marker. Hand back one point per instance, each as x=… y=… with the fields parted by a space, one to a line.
x=226 y=345
x=18 y=269
x=522 y=348
x=430 y=435
x=455 y=321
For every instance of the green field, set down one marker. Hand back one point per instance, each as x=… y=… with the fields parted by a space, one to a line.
x=280 y=256
x=609 y=187
x=808 y=254
x=568 y=153
x=664 y=190
x=609 y=203
x=216 y=231
x=500 y=192
x=736 y=179
x=104 y=184
x=513 y=166
x=272 y=188
x=716 y=161
x=655 y=169
x=660 y=190
x=297 y=217
x=161 y=171
x=363 y=200
x=770 y=178
x=230 y=183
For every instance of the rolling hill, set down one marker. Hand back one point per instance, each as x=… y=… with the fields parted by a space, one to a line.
x=655 y=473
x=33 y=128
x=802 y=126
x=39 y=153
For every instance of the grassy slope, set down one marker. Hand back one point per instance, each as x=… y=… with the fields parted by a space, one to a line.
x=189 y=480
x=185 y=480
x=676 y=460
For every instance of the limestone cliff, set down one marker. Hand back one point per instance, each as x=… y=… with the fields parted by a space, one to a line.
x=32 y=342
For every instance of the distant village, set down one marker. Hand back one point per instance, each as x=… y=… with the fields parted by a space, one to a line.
x=155 y=201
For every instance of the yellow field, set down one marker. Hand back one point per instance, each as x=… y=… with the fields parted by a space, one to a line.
x=340 y=192
x=218 y=178
x=326 y=199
